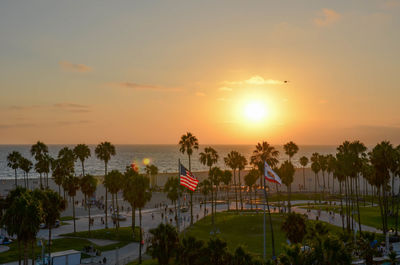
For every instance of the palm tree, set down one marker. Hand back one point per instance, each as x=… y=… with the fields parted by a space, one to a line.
x=46 y=165
x=227 y=179
x=164 y=243
x=82 y=152
x=230 y=161
x=22 y=217
x=52 y=204
x=26 y=166
x=241 y=164
x=315 y=167
x=215 y=179
x=104 y=151
x=65 y=165
x=208 y=158
x=290 y=149
x=151 y=172
x=265 y=153
x=38 y=150
x=113 y=182
x=382 y=159
x=250 y=179
x=129 y=192
x=323 y=163
x=142 y=196
x=295 y=227
x=330 y=167
x=205 y=188
x=13 y=160
x=88 y=185
x=286 y=172
x=72 y=185
x=174 y=190
x=304 y=163
x=188 y=143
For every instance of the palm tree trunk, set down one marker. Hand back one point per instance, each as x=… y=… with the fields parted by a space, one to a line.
x=234 y=183
x=19 y=251
x=251 y=202
x=73 y=212
x=304 y=179
x=381 y=210
x=315 y=188
x=358 y=206
x=49 y=242
x=33 y=251
x=397 y=211
x=341 y=205
x=83 y=169
x=227 y=196
x=89 y=218
x=116 y=203
x=140 y=236
x=15 y=170
x=290 y=191
x=240 y=191
x=134 y=220
x=106 y=204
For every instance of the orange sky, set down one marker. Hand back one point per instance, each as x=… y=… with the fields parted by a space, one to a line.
x=145 y=72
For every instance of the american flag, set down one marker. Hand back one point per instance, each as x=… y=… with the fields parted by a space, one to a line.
x=187 y=179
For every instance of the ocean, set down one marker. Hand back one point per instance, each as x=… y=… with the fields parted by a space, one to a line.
x=165 y=157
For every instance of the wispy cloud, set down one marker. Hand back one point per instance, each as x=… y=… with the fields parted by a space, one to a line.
x=80 y=68
x=40 y=125
x=72 y=107
x=200 y=94
x=327 y=17
x=255 y=80
x=225 y=88
x=137 y=86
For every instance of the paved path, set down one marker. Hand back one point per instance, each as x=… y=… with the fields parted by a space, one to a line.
x=151 y=218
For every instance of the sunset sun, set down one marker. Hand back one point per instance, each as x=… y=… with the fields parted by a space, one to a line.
x=255 y=111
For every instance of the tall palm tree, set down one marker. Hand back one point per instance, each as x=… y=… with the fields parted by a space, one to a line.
x=88 y=185
x=241 y=164
x=331 y=160
x=65 y=165
x=38 y=150
x=142 y=196
x=227 y=179
x=323 y=163
x=52 y=204
x=316 y=168
x=46 y=166
x=265 y=152
x=286 y=172
x=113 y=181
x=215 y=179
x=250 y=179
x=290 y=149
x=72 y=185
x=209 y=157
x=188 y=143
x=26 y=166
x=231 y=161
x=174 y=190
x=82 y=152
x=104 y=151
x=205 y=189
x=304 y=163
x=13 y=160
x=151 y=172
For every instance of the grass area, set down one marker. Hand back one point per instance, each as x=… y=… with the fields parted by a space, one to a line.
x=124 y=234
x=60 y=244
x=370 y=215
x=68 y=218
x=245 y=230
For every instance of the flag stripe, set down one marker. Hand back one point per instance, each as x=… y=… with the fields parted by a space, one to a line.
x=187 y=179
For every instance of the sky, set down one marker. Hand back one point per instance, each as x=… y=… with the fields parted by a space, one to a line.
x=229 y=71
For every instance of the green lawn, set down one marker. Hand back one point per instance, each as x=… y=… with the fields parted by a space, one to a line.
x=60 y=244
x=370 y=216
x=124 y=234
x=241 y=230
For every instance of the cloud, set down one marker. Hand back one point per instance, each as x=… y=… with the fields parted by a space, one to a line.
x=225 y=88
x=200 y=94
x=327 y=17
x=41 y=125
x=137 y=86
x=72 y=107
x=256 y=80
x=79 y=68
